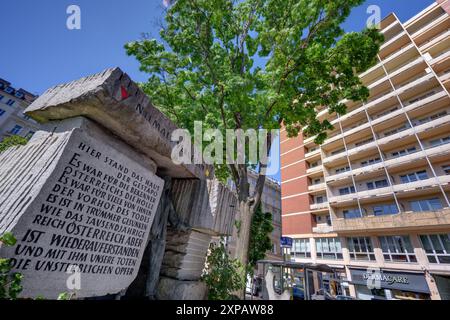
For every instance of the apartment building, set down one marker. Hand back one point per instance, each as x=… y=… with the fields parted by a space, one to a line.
x=12 y=104
x=374 y=197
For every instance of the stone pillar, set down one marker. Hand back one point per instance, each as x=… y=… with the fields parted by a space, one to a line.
x=204 y=209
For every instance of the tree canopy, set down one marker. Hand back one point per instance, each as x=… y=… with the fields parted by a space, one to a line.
x=252 y=64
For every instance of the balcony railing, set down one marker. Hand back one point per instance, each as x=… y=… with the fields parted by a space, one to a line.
x=322 y=228
x=385 y=191
x=431 y=24
x=430 y=182
x=317 y=187
x=312 y=153
x=393 y=40
x=314 y=169
x=318 y=206
x=401 y=220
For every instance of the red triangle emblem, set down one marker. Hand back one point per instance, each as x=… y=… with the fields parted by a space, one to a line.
x=125 y=94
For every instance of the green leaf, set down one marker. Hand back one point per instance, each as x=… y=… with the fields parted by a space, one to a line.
x=8 y=239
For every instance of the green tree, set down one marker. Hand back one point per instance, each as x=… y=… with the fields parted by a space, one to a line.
x=223 y=276
x=255 y=64
x=10 y=284
x=260 y=241
x=12 y=141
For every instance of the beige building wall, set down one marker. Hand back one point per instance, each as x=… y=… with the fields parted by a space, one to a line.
x=12 y=119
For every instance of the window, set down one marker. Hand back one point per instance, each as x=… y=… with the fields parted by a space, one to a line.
x=10 y=102
x=319 y=199
x=377 y=184
x=2 y=112
x=399 y=129
x=338 y=151
x=446 y=169
x=440 y=141
x=430 y=118
x=404 y=152
x=426 y=95
x=301 y=248
x=329 y=248
x=1 y=97
x=317 y=181
x=370 y=162
x=16 y=129
x=385 y=209
x=315 y=164
x=360 y=248
x=415 y=176
x=432 y=204
x=437 y=247
x=9 y=90
x=386 y=112
x=363 y=142
x=30 y=134
x=344 y=169
x=346 y=190
x=397 y=249
x=352 y=213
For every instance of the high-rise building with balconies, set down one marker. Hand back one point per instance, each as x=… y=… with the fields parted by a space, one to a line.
x=374 y=197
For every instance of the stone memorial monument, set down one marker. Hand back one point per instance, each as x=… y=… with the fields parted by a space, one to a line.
x=96 y=203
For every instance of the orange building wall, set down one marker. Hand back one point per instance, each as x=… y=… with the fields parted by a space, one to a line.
x=294 y=167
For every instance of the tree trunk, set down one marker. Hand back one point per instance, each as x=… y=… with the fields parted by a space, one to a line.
x=244 y=219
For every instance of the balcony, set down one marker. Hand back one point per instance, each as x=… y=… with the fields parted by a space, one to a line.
x=315 y=169
x=338 y=176
x=420 y=128
x=319 y=206
x=343 y=198
x=312 y=153
x=317 y=187
x=404 y=220
x=427 y=45
x=421 y=184
x=431 y=25
x=322 y=228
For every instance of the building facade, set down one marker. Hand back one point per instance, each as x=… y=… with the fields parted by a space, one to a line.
x=374 y=197
x=270 y=202
x=12 y=119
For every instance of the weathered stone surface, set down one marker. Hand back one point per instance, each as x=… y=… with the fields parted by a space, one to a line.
x=113 y=100
x=185 y=254
x=171 y=289
x=205 y=205
x=76 y=196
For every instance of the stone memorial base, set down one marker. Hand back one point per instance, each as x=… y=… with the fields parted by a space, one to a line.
x=77 y=199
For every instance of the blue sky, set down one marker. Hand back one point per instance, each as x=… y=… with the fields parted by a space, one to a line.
x=38 y=51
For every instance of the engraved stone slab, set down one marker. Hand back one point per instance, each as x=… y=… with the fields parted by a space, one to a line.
x=75 y=196
x=113 y=100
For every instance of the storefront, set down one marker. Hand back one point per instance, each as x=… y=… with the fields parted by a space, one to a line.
x=389 y=285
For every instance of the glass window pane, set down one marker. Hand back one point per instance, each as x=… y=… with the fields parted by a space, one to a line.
x=435 y=204
x=391 y=244
x=384 y=245
x=415 y=206
x=368 y=244
x=338 y=245
x=436 y=244
x=426 y=244
x=319 y=245
x=445 y=238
